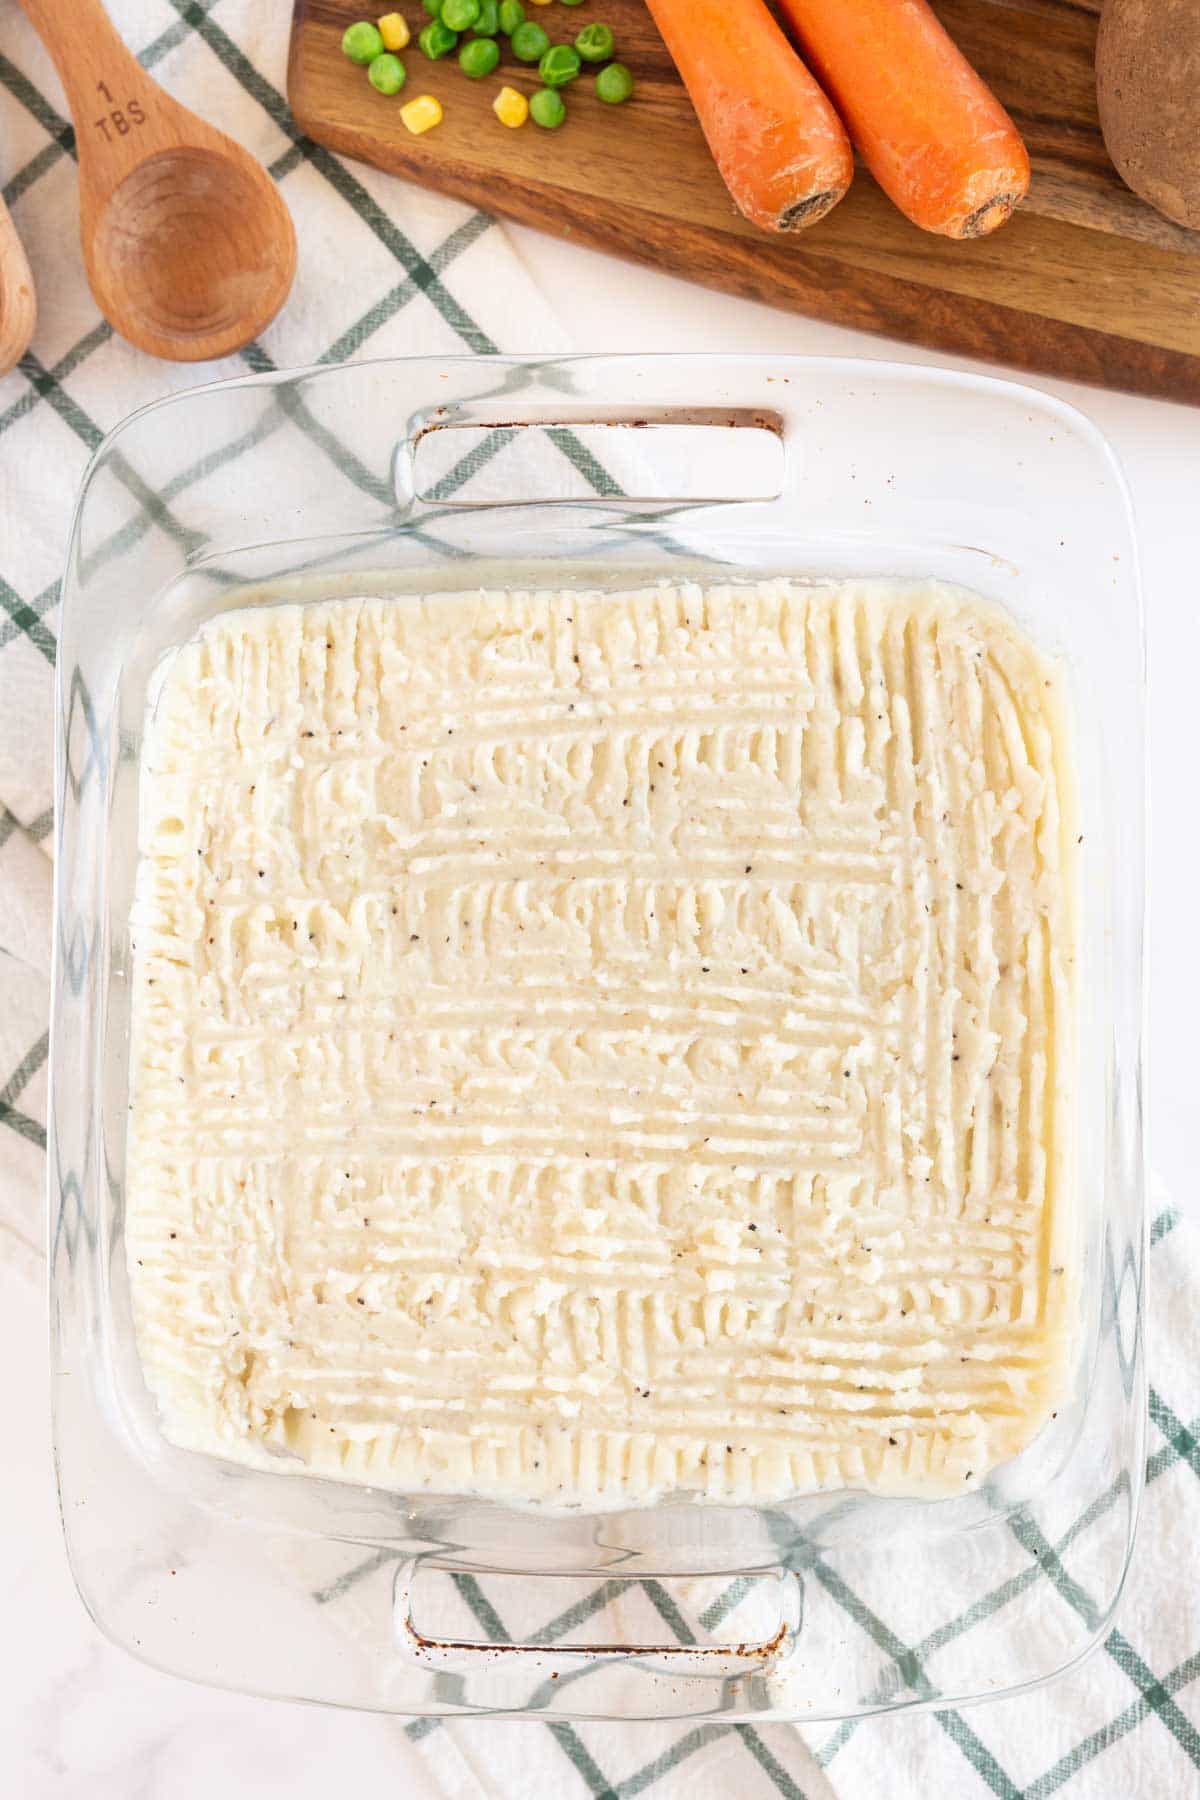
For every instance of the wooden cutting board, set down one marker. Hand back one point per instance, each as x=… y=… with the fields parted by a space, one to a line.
x=1086 y=282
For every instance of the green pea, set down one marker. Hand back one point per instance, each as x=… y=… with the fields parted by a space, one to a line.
x=512 y=14
x=595 y=43
x=529 y=42
x=437 y=40
x=362 y=42
x=546 y=108
x=614 y=84
x=387 y=74
x=559 y=65
x=460 y=15
x=572 y=2
x=479 y=57
x=488 y=22
x=433 y=8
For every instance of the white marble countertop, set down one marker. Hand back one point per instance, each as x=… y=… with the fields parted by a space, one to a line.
x=82 y=1719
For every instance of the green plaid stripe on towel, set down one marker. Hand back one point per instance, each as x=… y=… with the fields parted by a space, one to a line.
x=385 y=268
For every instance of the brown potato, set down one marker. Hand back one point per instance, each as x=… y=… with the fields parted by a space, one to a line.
x=1148 y=85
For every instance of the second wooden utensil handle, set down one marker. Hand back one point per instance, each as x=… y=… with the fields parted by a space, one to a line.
x=121 y=114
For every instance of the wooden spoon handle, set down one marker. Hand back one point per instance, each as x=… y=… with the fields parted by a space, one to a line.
x=121 y=114
x=18 y=307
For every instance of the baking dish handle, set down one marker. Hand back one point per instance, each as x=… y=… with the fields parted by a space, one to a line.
x=493 y=453
x=695 y=1649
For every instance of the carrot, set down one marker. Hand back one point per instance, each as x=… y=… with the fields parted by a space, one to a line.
x=777 y=141
x=933 y=135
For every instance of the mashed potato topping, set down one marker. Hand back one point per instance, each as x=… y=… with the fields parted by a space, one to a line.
x=590 y=1046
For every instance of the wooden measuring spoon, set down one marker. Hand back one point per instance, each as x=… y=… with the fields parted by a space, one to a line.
x=18 y=308
x=188 y=247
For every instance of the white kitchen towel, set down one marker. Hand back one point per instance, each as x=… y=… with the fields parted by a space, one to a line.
x=385 y=268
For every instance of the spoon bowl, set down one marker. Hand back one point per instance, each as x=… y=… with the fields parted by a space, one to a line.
x=180 y=255
x=18 y=308
x=189 y=249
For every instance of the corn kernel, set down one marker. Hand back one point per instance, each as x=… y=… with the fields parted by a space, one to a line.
x=393 y=31
x=510 y=107
x=422 y=114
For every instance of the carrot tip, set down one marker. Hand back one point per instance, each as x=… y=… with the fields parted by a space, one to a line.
x=989 y=216
x=807 y=212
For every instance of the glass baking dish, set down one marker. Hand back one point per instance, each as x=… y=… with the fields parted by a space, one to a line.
x=418 y=476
